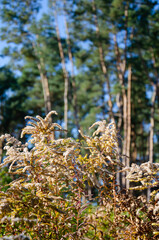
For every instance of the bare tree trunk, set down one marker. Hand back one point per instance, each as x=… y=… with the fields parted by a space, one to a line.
x=102 y=62
x=75 y=105
x=125 y=136
x=151 y=134
x=152 y=121
x=105 y=73
x=121 y=67
x=152 y=126
x=44 y=82
x=133 y=145
x=1 y=151
x=46 y=91
x=44 y=79
x=119 y=103
x=66 y=78
x=128 y=121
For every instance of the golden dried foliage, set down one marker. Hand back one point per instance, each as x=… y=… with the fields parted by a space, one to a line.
x=45 y=199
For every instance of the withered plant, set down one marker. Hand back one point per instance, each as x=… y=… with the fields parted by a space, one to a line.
x=46 y=199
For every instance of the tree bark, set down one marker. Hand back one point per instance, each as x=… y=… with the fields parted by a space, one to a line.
x=152 y=126
x=75 y=105
x=152 y=121
x=65 y=73
x=44 y=79
x=133 y=144
x=1 y=151
x=102 y=61
x=128 y=121
x=46 y=91
x=151 y=134
x=44 y=82
x=121 y=67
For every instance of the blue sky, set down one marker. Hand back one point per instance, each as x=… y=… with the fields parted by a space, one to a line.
x=44 y=9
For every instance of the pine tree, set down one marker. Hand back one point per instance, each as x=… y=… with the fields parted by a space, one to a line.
x=30 y=42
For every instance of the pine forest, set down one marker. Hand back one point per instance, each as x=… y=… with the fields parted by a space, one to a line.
x=79 y=119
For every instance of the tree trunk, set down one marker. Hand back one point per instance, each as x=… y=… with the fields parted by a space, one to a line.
x=121 y=66
x=46 y=91
x=44 y=82
x=44 y=79
x=125 y=137
x=1 y=151
x=152 y=121
x=151 y=134
x=128 y=121
x=75 y=105
x=102 y=62
x=133 y=144
x=65 y=73
x=152 y=127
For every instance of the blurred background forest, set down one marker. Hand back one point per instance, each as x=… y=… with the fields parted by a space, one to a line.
x=87 y=59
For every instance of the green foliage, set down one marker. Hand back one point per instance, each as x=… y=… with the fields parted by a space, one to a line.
x=5 y=178
x=12 y=111
x=137 y=39
x=46 y=200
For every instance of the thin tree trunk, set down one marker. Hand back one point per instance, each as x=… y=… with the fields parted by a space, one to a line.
x=102 y=62
x=152 y=126
x=65 y=73
x=119 y=103
x=133 y=144
x=104 y=70
x=125 y=136
x=121 y=66
x=128 y=121
x=44 y=79
x=75 y=105
x=46 y=91
x=1 y=151
x=152 y=121
x=44 y=82
x=151 y=134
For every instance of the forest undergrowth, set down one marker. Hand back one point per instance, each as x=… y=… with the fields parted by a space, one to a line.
x=49 y=197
